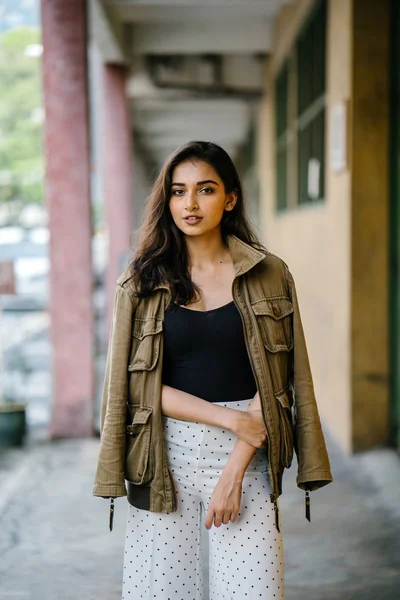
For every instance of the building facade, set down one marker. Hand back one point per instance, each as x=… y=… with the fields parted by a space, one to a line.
x=328 y=164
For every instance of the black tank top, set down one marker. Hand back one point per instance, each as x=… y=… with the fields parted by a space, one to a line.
x=205 y=353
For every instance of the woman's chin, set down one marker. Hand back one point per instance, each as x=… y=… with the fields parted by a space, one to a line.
x=200 y=230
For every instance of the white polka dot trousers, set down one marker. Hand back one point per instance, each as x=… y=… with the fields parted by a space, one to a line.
x=173 y=556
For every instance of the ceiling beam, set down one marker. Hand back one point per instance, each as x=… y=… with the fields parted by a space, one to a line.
x=173 y=13
x=248 y=36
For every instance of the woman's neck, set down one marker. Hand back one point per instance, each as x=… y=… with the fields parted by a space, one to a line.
x=206 y=250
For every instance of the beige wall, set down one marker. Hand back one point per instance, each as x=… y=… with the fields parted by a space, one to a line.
x=315 y=240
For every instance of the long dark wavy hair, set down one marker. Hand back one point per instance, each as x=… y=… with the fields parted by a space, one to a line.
x=161 y=254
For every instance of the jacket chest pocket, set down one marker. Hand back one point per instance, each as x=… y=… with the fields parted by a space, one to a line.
x=274 y=319
x=145 y=343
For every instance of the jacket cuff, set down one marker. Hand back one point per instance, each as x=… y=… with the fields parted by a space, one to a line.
x=115 y=491
x=313 y=480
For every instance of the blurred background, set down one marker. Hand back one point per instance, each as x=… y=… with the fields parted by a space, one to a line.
x=94 y=95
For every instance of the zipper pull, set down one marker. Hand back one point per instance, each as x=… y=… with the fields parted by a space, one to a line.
x=276 y=516
x=111 y=514
x=308 y=505
x=273 y=499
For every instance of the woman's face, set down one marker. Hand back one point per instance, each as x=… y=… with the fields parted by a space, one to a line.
x=198 y=199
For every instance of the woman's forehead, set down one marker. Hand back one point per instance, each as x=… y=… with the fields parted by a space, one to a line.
x=194 y=171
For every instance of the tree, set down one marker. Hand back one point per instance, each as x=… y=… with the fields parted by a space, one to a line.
x=21 y=117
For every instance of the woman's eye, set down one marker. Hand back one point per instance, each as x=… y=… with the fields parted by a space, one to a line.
x=207 y=190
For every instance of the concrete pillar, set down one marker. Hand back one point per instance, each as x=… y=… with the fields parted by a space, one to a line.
x=68 y=203
x=370 y=224
x=117 y=174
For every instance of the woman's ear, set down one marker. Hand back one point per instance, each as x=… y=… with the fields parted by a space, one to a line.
x=231 y=200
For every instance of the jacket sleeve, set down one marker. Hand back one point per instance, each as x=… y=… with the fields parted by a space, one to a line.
x=110 y=478
x=314 y=469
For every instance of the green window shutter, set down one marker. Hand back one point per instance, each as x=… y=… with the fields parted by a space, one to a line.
x=311 y=61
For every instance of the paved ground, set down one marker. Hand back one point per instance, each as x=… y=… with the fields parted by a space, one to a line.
x=55 y=543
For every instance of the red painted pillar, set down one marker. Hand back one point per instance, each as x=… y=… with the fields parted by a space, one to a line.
x=68 y=203
x=117 y=174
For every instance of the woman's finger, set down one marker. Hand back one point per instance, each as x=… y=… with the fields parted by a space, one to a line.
x=233 y=516
x=209 y=517
x=218 y=519
x=226 y=518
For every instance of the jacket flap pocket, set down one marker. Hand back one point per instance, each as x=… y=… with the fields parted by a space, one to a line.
x=277 y=308
x=146 y=342
x=275 y=323
x=147 y=326
x=138 y=458
x=142 y=415
x=284 y=397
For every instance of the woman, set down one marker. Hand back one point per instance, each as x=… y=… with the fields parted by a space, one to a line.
x=207 y=393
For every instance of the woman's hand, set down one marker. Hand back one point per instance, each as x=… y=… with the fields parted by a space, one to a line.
x=225 y=500
x=249 y=426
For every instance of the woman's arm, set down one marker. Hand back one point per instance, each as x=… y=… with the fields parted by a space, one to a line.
x=247 y=425
x=225 y=500
x=109 y=478
x=243 y=452
x=182 y=405
x=241 y=455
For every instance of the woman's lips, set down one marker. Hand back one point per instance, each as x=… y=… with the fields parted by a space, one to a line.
x=192 y=220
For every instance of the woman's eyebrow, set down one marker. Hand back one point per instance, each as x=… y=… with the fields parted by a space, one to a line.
x=198 y=183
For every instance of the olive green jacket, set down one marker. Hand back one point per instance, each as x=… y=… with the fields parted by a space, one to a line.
x=132 y=459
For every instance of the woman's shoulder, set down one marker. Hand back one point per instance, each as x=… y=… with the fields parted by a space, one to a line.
x=273 y=262
x=125 y=277
x=271 y=277
x=126 y=281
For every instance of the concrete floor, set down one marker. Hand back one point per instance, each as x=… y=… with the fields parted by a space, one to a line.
x=55 y=543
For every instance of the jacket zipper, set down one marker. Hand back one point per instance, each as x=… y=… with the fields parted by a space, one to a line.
x=273 y=496
x=173 y=492
x=174 y=502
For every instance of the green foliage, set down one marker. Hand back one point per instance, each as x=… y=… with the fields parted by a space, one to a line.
x=21 y=118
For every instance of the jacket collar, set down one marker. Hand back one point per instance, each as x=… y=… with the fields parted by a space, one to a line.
x=244 y=257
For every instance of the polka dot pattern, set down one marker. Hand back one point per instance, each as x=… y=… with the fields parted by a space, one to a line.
x=165 y=552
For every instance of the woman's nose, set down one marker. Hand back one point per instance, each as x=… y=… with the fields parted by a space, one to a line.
x=191 y=200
